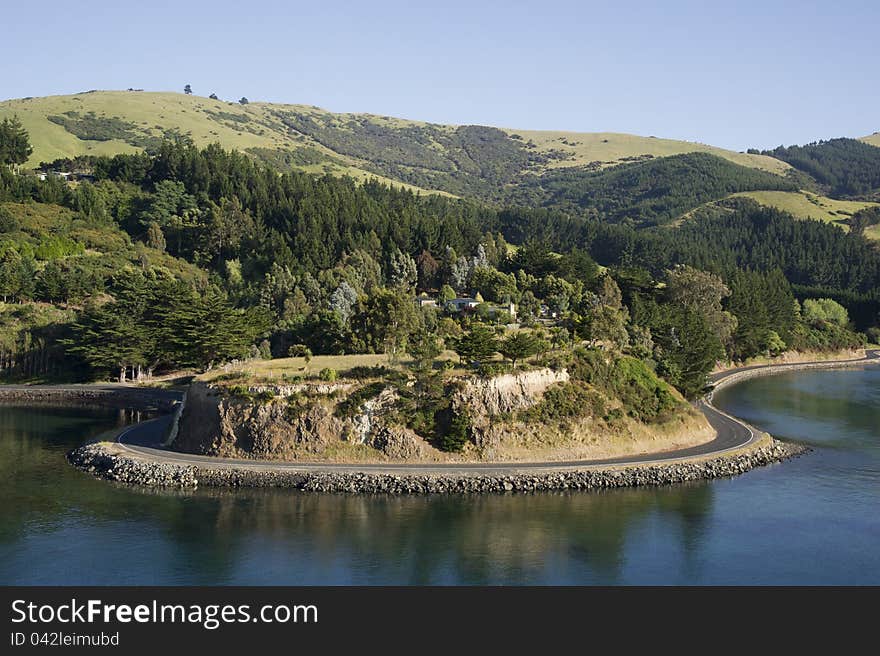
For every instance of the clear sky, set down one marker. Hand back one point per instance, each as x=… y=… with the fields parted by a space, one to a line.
x=738 y=74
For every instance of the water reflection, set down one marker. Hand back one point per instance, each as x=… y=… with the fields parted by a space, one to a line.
x=419 y=540
x=812 y=520
x=280 y=536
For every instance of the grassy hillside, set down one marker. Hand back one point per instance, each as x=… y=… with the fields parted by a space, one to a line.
x=655 y=191
x=873 y=139
x=462 y=160
x=111 y=122
x=806 y=205
x=603 y=149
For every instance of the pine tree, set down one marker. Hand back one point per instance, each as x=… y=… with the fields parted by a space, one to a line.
x=477 y=345
x=15 y=147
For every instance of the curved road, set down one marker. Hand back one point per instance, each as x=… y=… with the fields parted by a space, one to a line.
x=144 y=439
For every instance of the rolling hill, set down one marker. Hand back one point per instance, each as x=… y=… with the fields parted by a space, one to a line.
x=474 y=161
x=807 y=205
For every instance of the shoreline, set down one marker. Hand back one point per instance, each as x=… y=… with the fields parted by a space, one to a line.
x=118 y=462
x=97 y=460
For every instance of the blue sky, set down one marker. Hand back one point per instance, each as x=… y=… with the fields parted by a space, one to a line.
x=745 y=74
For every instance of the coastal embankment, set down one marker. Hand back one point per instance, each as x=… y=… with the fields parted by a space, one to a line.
x=737 y=449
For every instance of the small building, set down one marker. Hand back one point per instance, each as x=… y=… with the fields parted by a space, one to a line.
x=461 y=304
x=426 y=301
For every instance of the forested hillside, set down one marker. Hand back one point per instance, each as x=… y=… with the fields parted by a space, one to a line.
x=191 y=256
x=653 y=192
x=845 y=167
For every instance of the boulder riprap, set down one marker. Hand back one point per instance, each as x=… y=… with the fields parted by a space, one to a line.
x=102 y=460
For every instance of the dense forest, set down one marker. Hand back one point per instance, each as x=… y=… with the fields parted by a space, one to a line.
x=189 y=257
x=845 y=167
x=652 y=192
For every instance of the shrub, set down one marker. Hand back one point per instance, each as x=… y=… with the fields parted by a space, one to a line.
x=361 y=371
x=350 y=405
x=328 y=375
x=232 y=375
x=239 y=392
x=265 y=396
x=300 y=351
x=564 y=401
x=490 y=369
x=643 y=395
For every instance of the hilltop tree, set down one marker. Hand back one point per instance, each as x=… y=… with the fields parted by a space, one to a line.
x=213 y=96
x=187 y=90
x=519 y=346
x=15 y=147
x=477 y=344
x=243 y=101
x=423 y=347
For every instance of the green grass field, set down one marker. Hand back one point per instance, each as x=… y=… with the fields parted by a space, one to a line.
x=275 y=369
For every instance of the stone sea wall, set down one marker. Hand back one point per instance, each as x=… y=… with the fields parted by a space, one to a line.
x=774 y=369
x=104 y=461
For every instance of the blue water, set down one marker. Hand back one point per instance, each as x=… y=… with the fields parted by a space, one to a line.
x=813 y=520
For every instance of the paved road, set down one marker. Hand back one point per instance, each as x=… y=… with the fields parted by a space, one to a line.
x=731 y=433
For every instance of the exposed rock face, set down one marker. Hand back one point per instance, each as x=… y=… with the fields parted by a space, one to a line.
x=213 y=424
x=368 y=419
x=400 y=443
x=285 y=391
x=228 y=427
x=487 y=397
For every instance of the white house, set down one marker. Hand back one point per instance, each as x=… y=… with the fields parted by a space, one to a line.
x=460 y=304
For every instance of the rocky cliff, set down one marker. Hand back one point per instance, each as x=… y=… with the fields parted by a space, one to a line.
x=300 y=425
x=362 y=421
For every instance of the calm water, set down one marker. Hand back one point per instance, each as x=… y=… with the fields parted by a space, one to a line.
x=813 y=520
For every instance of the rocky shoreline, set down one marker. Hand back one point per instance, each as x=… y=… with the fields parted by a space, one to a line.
x=102 y=460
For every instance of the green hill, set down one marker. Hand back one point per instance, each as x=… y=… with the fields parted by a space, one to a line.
x=843 y=168
x=807 y=205
x=655 y=191
x=473 y=161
